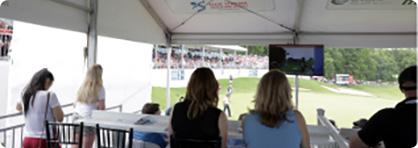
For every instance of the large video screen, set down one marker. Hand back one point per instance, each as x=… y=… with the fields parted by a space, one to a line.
x=297 y=59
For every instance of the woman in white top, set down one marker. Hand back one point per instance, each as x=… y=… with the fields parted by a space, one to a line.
x=91 y=96
x=39 y=105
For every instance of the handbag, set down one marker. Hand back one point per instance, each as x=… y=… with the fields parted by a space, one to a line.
x=55 y=131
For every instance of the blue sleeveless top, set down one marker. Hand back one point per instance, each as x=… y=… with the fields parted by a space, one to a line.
x=257 y=135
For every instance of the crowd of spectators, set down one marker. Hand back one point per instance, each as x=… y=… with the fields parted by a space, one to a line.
x=193 y=58
x=5 y=38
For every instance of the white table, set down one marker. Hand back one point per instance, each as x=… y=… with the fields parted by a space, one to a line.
x=318 y=134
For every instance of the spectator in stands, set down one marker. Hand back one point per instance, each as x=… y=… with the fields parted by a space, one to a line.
x=156 y=138
x=396 y=127
x=91 y=96
x=274 y=122
x=39 y=105
x=197 y=117
x=238 y=143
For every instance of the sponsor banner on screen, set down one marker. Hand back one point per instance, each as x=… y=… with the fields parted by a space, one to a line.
x=192 y=6
x=371 y=4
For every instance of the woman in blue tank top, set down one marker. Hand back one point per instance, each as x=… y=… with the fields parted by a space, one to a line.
x=274 y=123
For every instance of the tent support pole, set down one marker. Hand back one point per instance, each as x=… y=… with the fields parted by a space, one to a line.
x=92 y=34
x=182 y=62
x=221 y=52
x=168 y=92
x=297 y=91
x=203 y=57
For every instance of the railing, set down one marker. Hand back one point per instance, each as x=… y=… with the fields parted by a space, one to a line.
x=11 y=133
x=335 y=134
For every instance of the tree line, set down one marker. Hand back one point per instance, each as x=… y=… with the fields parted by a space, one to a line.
x=369 y=64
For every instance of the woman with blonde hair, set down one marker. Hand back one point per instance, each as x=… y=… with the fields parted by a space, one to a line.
x=197 y=118
x=91 y=96
x=274 y=122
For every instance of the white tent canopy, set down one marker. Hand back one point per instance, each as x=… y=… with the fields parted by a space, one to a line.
x=334 y=23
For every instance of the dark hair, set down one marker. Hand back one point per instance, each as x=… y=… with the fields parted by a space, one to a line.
x=360 y=123
x=408 y=75
x=36 y=83
x=150 y=108
x=202 y=92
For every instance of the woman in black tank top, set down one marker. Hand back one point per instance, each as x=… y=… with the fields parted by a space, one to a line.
x=197 y=118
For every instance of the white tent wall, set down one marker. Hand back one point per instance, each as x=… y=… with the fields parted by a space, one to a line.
x=35 y=47
x=47 y=13
x=4 y=88
x=127 y=71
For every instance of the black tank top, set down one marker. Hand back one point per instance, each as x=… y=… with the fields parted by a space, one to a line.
x=204 y=127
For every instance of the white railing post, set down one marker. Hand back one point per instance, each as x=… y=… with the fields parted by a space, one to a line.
x=323 y=121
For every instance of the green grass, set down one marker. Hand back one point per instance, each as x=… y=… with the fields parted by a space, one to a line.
x=344 y=109
x=390 y=92
x=311 y=85
x=158 y=95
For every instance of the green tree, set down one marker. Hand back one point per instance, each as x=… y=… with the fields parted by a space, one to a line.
x=260 y=50
x=367 y=63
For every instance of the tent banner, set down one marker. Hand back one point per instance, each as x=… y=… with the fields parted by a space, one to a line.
x=370 y=4
x=192 y=6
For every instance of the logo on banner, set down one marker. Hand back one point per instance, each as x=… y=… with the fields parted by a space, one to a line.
x=198 y=5
x=409 y=2
x=372 y=4
x=339 y=2
x=4 y=3
x=217 y=6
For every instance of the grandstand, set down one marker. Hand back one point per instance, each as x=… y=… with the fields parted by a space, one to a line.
x=213 y=56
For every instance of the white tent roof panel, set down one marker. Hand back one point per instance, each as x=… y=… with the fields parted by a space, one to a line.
x=318 y=18
x=128 y=19
x=224 y=21
x=47 y=13
x=386 y=23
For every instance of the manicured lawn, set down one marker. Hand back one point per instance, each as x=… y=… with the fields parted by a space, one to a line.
x=389 y=92
x=344 y=109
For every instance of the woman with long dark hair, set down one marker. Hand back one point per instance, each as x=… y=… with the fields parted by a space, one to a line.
x=39 y=105
x=197 y=117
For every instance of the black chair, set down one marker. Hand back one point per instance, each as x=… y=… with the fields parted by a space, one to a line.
x=192 y=143
x=113 y=138
x=58 y=134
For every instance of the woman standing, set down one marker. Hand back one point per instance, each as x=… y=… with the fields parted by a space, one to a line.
x=197 y=117
x=273 y=122
x=39 y=105
x=91 y=96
